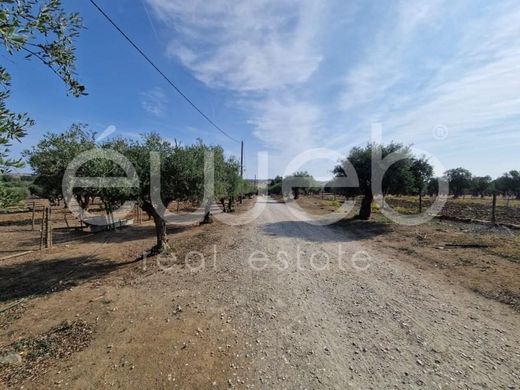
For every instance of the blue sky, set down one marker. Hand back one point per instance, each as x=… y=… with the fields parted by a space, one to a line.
x=289 y=75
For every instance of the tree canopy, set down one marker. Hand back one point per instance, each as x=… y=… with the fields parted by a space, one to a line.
x=459 y=180
x=178 y=171
x=509 y=184
x=397 y=178
x=300 y=182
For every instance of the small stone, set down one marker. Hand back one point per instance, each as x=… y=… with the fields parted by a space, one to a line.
x=11 y=358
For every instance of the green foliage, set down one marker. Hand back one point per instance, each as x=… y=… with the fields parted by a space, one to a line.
x=422 y=173
x=509 y=184
x=459 y=180
x=13 y=189
x=181 y=170
x=300 y=182
x=275 y=186
x=51 y=156
x=398 y=178
x=432 y=187
x=42 y=30
x=480 y=185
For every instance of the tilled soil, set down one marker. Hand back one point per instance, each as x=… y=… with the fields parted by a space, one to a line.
x=479 y=209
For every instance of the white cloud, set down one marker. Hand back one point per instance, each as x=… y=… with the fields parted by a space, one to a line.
x=425 y=71
x=245 y=45
x=412 y=66
x=381 y=68
x=154 y=101
x=478 y=89
x=262 y=50
x=285 y=123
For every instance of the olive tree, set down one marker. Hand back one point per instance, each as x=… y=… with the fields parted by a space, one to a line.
x=422 y=173
x=509 y=184
x=397 y=178
x=166 y=171
x=50 y=157
x=181 y=170
x=480 y=185
x=298 y=182
x=459 y=180
x=275 y=186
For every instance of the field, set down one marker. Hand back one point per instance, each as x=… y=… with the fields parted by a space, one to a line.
x=88 y=289
x=91 y=313
x=484 y=258
x=507 y=211
x=18 y=234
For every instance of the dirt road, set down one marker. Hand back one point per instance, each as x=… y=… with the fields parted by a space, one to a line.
x=344 y=315
x=282 y=304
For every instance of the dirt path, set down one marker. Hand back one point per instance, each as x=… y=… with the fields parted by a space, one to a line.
x=378 y=327
x=302 y=314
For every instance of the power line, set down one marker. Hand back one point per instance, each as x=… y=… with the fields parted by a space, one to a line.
x=107 y=17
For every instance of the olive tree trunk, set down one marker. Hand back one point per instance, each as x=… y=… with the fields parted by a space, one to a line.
x=366 y=205
x=160 y=228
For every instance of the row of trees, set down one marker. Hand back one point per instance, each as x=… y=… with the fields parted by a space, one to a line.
x=462 y=182
x=181 y=171
x=298 y=183
x=44 y=31
x=410 y=175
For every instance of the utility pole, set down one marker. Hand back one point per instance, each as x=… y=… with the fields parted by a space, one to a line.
x=242 y=159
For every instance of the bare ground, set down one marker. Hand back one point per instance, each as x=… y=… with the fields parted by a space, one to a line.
x=402 y=315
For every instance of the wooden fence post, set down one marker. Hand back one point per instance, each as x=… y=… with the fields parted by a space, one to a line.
x=33 y=214
x=48 y=227
x=42 y=227
x=493 y=209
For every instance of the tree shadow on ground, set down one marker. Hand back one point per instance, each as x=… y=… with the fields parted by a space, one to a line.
x=363 y=229
x=342 y=231
x=131 y=233
x=18 y=222
x=39 y=277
